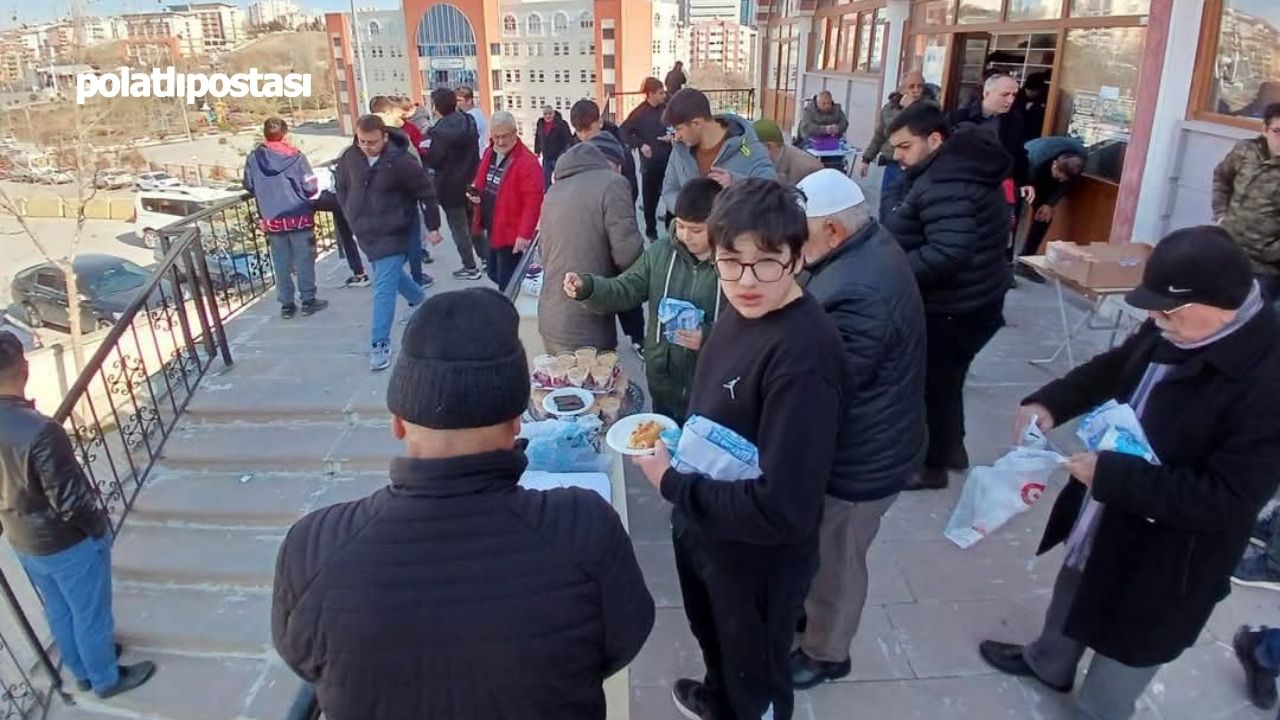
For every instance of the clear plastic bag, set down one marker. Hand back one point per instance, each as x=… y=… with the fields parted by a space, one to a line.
x=993 y=495
x=561 y=446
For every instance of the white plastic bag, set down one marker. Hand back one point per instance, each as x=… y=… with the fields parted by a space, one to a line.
x=993 y=495
x=708 y=448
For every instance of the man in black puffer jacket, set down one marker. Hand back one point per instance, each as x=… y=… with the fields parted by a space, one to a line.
x=952 y=219
x=454 y=594
x=452 y=155
x=861 y=277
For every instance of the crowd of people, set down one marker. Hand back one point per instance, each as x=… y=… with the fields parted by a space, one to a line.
x=836 y=338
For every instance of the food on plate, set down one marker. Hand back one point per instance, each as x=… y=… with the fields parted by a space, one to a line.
x=607 y=359
x=645 y=435
x=559 y=375
x=586 y=357
x=601 y=377
x=578 y=376
x=569 y=403
x=609 y=407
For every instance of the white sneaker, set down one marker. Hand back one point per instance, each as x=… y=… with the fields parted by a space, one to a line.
x=412 y=309
x=380 y=357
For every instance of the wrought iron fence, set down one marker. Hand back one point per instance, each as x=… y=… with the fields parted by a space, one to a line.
x=128 y=399
x=740 y=101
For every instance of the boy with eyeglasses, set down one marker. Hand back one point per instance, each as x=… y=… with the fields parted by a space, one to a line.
x=772 y=371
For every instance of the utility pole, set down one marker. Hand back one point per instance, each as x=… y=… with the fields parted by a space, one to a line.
x=363 y=105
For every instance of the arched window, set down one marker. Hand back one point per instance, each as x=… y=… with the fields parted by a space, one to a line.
x=533 y=24
x=657 y=20
x=587 y=21
x=509 y=25
x=560 y=23
x=374 y=28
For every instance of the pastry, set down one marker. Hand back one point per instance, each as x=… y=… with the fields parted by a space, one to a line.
x=645 y=436
x=586 y=357
x=578 y=376
x=607 y=359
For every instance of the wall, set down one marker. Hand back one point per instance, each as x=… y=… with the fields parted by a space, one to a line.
x=859 y=95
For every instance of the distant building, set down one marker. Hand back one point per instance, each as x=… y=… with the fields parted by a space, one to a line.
x=382 y=53
x=704 y=10
x=284 y=12
x=159 y=38
x=749 y=11
x=725 y=44
x=222 y=25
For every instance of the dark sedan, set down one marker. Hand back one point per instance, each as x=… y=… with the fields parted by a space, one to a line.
x=107 y=285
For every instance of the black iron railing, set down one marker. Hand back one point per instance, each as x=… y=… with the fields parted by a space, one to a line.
x=131 y=393
x=740 y=101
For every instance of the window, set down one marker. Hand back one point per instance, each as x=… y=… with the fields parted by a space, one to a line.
x=606 y=33
x=507 y=76
x=1035 y=9
x=657 y=21
x=337 y=41
x=593 y=79
x=533 y=24
x=1098 y=93
x=980 y=11
x=517 y=75
x=495 y=48
x=587 y=21
x=582 y=76
x=1238 y=70
x=657 y=47
x=609 y=62
x=1099 y=8
x=51 y=279
x=374 y=28
x=560 y=23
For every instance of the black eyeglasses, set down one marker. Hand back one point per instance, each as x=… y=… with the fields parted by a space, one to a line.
x=765 y=271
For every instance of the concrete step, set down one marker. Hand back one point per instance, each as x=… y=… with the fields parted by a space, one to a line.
x=242 y=499
x=199 y=556
x=271 y=387
x=251 y=447
x=194 y=687
x=193 y=620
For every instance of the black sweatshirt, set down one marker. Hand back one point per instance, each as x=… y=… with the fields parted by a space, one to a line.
x=780 y=382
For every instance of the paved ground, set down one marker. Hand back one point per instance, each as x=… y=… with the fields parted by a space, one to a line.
x=298 y=422
x=319 y=142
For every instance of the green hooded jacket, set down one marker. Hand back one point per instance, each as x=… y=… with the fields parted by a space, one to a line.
x=669 y=368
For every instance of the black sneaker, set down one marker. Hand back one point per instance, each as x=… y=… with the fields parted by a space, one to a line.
x=131 y=676
x=1260 y=681
x=807 y=672
x=85 y=685
x=426 y=282
x=929 y=479
x=288 y=311
x=427 y=259
x=1008 y=659
x=1256 y=570
x=313 y=307
x=357 y=281
x=467 y=274
x=1027 y=273
x=958 y=459
x=690 y=698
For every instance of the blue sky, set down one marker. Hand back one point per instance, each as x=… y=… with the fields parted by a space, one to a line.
x=33 y=11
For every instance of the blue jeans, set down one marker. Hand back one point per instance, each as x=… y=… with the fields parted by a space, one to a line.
x=1268 y=652
x=75 y=585
x=294 y=252
x=892 y=174
x=390 y=278
x=548 y=170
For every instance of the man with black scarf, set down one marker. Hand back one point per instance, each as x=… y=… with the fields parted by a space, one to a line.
x=1150 y=547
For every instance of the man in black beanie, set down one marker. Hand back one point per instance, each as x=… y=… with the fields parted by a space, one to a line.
x=453 y=593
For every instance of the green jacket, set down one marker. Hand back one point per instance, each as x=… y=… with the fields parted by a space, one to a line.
x=1246 y=201
x=669 y=368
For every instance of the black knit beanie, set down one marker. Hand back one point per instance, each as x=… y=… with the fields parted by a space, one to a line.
x=461 y=364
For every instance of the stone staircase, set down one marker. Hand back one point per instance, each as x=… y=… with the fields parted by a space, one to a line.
x=298 y=422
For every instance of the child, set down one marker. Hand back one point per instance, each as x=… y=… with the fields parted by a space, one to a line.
x=668 y=269
x=774 y=372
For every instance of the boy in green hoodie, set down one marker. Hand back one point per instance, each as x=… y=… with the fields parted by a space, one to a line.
x=680 y=270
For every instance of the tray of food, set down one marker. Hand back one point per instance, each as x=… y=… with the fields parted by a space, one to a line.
x=595 y=372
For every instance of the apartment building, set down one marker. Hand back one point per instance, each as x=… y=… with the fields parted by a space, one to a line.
x=382 y=54
x=723 y=44
x=222 y=25
x=705 y=10
x=160 y=37
x=285 y=12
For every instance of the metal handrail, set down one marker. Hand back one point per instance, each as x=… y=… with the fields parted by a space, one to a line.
x=305 y=706
x=620 y=104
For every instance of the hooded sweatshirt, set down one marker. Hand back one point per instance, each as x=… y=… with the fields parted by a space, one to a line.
x=385 y=200
x=742 y=155
x=952 y=218
x=282 y=181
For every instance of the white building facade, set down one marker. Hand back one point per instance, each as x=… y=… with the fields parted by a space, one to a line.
x=285 y=12
x=703 y=10
x=723 y=44
x=548 y=58
x=383 y=50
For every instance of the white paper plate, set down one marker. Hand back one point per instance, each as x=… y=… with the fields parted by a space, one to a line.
x=620 y=433
x=549 y=402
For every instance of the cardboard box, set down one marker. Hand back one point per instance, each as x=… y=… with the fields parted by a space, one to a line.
x=1101 y=265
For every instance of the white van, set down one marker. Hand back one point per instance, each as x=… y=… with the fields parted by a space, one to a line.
x=154 y=209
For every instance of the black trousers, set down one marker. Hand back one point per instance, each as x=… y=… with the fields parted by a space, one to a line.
x=347 y=244
x=953 y=342
x=744 y=618
x=502 y=265
x=651 y=189
x=1270 y=285
x=632 y=322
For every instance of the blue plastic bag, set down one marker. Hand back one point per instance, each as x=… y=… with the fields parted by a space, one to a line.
x=678 y=315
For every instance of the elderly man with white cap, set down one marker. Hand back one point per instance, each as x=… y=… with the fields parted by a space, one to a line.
x=860 y=275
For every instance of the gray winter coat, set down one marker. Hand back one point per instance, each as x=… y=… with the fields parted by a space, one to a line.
x=743 y=155
x=588 y=226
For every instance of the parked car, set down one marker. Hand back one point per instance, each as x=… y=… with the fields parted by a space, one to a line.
x=155 y=209
x=156 y=180
x=114 y=179
x=29 y=337
x=106 y=283
x=22 y=174
x=50 y=176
